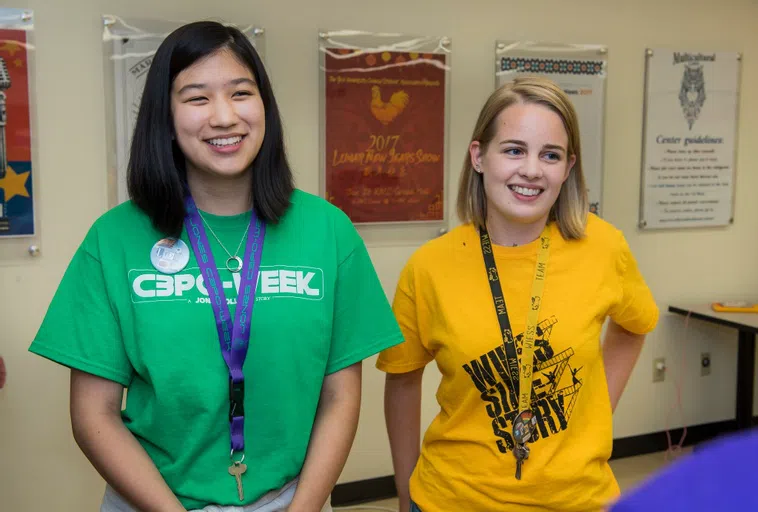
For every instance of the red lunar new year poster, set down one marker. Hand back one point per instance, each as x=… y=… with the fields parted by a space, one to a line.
x=16 y=199
x=385 y=134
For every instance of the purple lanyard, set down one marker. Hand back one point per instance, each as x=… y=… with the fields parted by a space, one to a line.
x=234 y=339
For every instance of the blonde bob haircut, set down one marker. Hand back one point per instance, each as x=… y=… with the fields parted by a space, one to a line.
x=570 y=209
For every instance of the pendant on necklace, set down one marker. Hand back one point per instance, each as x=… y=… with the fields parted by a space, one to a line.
x=236 y=266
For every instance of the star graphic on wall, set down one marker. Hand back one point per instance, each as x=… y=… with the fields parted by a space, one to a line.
x=14 y=184
x=18 y=63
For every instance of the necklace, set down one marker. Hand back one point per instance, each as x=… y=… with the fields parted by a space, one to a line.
x=236 y=259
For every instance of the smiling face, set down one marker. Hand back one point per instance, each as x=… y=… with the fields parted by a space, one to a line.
x=525 y=164
x=218 y=116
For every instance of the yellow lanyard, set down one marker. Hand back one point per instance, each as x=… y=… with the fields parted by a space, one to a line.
x=521 y=381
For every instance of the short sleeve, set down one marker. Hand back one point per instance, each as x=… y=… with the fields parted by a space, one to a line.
x=80 y=329
x=363 y=322
x=636 y=310
x=411 y=354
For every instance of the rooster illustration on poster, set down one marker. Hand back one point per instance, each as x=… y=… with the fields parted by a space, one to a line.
x=386 y=112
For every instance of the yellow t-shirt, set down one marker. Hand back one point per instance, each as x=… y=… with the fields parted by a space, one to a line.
x=444 y=306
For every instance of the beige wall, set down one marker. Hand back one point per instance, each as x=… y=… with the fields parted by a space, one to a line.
x=41 y=467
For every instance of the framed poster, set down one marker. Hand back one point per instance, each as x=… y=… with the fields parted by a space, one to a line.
x=129 y=49
x=17 y=163
x=581 y=71
x=689 y=138
x=384 y=118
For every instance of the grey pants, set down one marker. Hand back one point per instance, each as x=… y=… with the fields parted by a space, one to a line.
x=273 y=501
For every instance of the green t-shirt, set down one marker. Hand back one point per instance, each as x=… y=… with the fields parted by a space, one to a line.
x=319 y=308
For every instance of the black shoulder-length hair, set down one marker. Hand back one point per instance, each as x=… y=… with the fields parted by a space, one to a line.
x=156 y=175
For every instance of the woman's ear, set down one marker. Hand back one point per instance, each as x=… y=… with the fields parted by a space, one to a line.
x=571 y=163
x=475 y=152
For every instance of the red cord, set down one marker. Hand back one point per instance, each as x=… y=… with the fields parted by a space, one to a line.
x=676 y=450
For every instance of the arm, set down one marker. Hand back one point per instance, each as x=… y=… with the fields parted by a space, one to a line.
x=333 y=434
x=402 y=410
x=112 y=449
x=620 y=352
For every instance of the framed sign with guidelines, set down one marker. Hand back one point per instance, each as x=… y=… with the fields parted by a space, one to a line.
x=689 y=138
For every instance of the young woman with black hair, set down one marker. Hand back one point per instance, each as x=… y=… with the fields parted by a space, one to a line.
x=225 y=300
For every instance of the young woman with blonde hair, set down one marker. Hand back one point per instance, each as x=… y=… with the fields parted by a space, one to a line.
x=511 y=306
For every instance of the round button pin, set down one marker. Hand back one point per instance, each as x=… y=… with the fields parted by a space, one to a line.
x=523 y=427
x=170 y=255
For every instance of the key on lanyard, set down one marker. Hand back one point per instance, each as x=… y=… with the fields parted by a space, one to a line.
x=237 y=470
x=521 y=452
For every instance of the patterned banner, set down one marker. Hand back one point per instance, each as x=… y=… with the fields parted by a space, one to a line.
x=385 y=134
x=560 y=67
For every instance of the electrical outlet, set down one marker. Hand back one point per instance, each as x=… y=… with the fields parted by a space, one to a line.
x=659 y=369
x=705 y=364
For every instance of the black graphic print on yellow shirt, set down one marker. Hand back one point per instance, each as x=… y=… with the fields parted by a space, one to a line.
x=555 y=387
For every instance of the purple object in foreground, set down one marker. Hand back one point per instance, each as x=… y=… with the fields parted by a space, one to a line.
x=720 y=475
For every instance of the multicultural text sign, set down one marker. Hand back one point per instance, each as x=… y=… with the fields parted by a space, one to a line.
x=690 y=132
x=131 y=58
